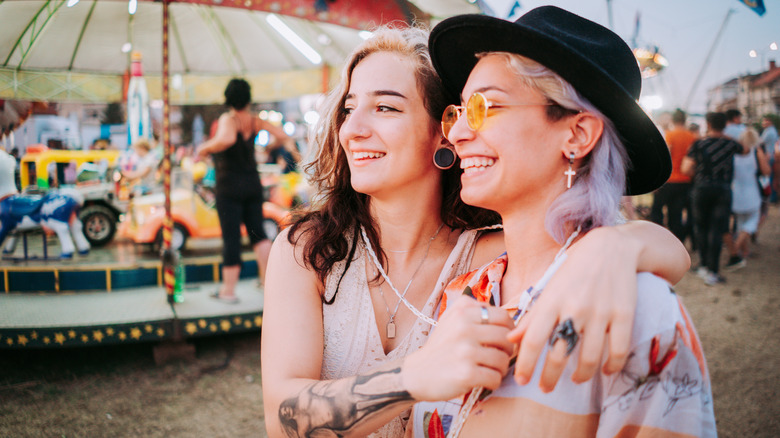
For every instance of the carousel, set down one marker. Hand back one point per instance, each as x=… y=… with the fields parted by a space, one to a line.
x=85 y=264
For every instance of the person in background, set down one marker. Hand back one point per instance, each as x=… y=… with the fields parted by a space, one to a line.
x=285 y=154
x=142 y=175
x=710 y=161
x=100 y=144
x=695 y=129
x=239 y=193
x=746 y=197
x=550 y=136
x=734 y=125
x=675 y=194
x=769 y=138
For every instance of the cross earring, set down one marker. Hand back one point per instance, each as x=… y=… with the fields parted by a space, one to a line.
x=570 y=173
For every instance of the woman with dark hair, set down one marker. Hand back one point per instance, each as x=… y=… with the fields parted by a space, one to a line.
x=550 y=136
x=353 y=284
x=238 y=191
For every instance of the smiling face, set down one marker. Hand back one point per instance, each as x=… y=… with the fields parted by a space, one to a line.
x=387 y=135
x=515 y=159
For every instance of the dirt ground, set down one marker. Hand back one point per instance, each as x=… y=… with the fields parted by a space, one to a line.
x=120 y=392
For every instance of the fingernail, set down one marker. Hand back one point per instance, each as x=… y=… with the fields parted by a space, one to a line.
x=521 y=379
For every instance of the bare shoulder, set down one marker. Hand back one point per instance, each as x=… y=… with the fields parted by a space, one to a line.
x=286 y=262
x=489 y=246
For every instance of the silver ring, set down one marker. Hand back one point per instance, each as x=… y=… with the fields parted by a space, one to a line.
x=565 y=331
x=484 y=316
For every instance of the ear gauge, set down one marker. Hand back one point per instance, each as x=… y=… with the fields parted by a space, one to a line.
x=444 y=157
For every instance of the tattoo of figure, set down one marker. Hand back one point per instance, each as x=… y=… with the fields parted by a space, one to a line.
x=338 y=406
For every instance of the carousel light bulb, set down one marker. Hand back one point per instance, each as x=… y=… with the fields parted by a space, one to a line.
x=311 y=117
x=132 y=6
x=126 y=47
x=263 y=137
x=289 y=128
x=773 y=46
x=72 y=3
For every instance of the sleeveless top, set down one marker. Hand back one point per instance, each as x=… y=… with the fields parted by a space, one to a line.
x=236 y=167
x=352 y=344
x=745 y=196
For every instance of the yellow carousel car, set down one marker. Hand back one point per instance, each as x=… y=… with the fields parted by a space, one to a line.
x=194 y=214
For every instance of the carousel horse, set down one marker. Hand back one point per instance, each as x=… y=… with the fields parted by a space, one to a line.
x=56 y=210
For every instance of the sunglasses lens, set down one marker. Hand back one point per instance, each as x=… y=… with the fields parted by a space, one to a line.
x=448 y=119
x=476 y=110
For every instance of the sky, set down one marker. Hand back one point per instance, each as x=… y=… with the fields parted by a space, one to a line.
x=684 y=31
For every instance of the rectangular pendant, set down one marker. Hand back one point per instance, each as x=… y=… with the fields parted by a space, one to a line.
x=390 y=330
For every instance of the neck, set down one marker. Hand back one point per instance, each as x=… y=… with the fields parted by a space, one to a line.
x=530 y=249
x=404 y=227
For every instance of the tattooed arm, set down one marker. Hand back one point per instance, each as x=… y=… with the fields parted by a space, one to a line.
x=296 y=402
x=461 y=353
x=345 y=406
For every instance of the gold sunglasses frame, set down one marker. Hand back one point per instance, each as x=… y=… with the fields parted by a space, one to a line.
x=473 y=125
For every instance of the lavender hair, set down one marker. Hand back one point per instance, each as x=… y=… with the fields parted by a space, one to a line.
x=594 y=198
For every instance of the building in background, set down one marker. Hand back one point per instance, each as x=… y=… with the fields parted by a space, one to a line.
x=755 y=95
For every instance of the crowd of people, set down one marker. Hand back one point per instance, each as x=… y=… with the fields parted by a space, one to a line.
x=720 y=188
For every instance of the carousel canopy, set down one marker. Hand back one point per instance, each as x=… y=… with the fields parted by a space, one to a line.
x=71 y=50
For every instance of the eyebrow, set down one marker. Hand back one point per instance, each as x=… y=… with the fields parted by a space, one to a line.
x=379 y=93
x=484 y=89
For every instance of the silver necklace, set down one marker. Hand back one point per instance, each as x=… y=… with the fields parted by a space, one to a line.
x=401 y=297
x=408 y=305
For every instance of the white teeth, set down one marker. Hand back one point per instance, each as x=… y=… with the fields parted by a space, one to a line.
x=362 y=155
x=472 y=164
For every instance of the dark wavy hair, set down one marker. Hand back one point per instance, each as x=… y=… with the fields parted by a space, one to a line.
x=335 y=222
x=238 y=93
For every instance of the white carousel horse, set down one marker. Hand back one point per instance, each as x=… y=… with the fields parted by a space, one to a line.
x=56 y=210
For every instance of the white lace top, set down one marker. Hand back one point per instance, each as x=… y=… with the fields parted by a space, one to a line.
x=352 y=342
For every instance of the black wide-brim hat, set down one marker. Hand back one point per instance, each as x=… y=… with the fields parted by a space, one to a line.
x=592 y=58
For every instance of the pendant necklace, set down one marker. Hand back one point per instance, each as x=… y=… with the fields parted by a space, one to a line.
x=401 y=297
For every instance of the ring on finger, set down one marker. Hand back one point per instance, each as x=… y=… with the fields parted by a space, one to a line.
x=565 y=331
x=484 y=315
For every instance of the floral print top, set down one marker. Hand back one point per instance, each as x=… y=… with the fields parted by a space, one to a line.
x=664 y=389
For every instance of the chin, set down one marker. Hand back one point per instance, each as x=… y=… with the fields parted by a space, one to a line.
x=366 y=186
x=476 y=197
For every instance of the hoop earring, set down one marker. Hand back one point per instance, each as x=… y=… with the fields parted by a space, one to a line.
x=444 y=157
x=570 y=173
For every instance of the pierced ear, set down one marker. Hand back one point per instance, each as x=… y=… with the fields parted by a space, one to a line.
x=585 y=131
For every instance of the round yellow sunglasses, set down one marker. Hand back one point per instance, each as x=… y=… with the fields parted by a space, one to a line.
x=476 y=112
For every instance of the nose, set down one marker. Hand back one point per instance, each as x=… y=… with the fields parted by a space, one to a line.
x=460 y=133
x=354 y=127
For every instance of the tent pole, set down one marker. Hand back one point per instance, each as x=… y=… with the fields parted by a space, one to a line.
x=169 y=260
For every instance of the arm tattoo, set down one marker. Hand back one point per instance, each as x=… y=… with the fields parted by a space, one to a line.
x=338 y=406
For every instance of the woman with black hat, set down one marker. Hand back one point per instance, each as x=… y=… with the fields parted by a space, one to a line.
x=550 y=137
